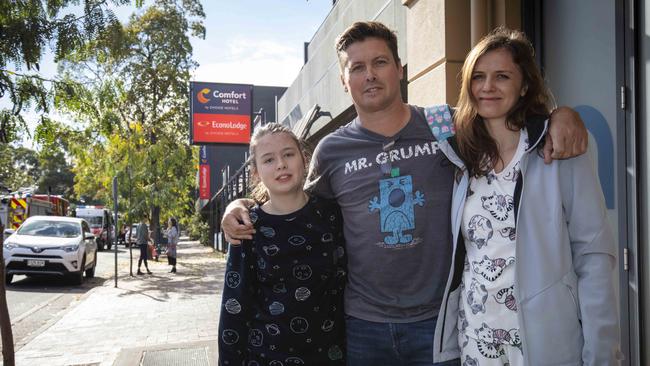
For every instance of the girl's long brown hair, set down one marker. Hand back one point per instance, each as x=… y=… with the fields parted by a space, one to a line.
x=477 y=148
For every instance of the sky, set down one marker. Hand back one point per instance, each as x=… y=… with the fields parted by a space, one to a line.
x=256 y=42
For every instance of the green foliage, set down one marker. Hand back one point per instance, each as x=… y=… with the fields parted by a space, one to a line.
x=27 y=27
x=197 y=228
x=19 y=167
x=129 y=89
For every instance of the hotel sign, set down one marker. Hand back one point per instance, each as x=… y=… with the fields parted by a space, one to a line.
x=220 y=113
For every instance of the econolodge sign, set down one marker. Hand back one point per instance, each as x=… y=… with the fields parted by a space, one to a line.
x=220 y=113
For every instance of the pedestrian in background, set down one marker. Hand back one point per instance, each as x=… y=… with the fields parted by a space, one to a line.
x=143 y=242
x=172 y=241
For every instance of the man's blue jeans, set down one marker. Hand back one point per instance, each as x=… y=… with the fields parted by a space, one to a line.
x=391 y=344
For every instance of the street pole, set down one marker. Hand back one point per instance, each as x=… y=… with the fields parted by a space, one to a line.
x=116 y=223
x=129 y=210
x=5 y=323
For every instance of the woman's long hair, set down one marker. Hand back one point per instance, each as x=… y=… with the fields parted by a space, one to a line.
x=477 y=148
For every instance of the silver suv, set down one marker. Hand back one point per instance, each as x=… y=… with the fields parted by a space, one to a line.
x=51 y=245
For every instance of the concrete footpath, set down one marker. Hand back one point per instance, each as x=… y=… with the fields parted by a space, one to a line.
x=151 y=320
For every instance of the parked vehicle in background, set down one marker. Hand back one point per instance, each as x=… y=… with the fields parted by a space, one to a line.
x=101 y=224
x=14 y=209
x=131 y=235
x=51 y=245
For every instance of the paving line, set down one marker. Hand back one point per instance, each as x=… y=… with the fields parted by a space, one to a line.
x=35 y=309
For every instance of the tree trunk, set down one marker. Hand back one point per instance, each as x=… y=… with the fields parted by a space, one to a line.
x=5 y=323
x=155 y=210
x=155 y=224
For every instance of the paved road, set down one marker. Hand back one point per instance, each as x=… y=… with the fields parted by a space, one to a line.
x=37 y=302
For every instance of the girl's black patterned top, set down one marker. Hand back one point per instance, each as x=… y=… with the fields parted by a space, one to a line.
x=283 y=294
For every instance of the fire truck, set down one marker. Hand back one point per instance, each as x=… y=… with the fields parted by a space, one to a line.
x=14 y=209
x=60 y=205
x=101 y=224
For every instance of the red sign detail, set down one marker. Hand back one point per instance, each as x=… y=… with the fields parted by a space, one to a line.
x=204 y=182
x=224 y=128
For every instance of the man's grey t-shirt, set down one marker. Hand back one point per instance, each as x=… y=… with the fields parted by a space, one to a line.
x=395 y=196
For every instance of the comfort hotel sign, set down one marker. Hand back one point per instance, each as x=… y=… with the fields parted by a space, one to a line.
x=220 y=113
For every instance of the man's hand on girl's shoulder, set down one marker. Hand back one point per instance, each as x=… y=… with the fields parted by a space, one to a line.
x=236 y=223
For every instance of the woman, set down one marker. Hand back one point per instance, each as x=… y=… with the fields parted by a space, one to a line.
x=143 y=244
x=537 y=283
x=172 y=241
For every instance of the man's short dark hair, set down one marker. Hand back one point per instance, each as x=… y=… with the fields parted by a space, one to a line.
x=360 y=31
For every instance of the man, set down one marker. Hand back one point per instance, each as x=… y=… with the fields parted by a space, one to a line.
x=394 y=185
x=143 y=242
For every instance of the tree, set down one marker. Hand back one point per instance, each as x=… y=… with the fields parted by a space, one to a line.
x=19 y=166
x=27 y=28
x=130 y=88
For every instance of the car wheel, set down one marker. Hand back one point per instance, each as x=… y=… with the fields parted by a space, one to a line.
x=100 y=245
x=78 y=278
x=90 y=272
x=8 y=279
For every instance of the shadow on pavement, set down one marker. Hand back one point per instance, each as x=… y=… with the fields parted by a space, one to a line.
x=192 y=279
x=53 y=284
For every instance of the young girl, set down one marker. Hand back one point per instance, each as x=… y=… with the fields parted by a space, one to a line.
x=283 y=295
x=537 y=285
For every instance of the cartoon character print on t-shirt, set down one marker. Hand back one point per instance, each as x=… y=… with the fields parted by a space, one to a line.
x=479 y=230
x=506 y=296
x=491 y=269
x=396 y=204
x=498 y=336
x=477 y=295
x=470 y=361
x=498 y=205
x=508 y=232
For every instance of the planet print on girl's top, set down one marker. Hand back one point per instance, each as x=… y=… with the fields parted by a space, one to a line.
x=302 y=293
x=293 y=361
x=276 y=308
x=328 y=325
x=297 y=240
x=233 y=306
x=229 y=336
x=299 y=325
x=302 y=272
x=271 y=250
x=267 y=231
x=273 y=329
x=256 y=337
x=233 y=279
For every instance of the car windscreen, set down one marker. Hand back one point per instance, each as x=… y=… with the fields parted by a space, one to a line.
x=57 y=229
x=94 y=221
